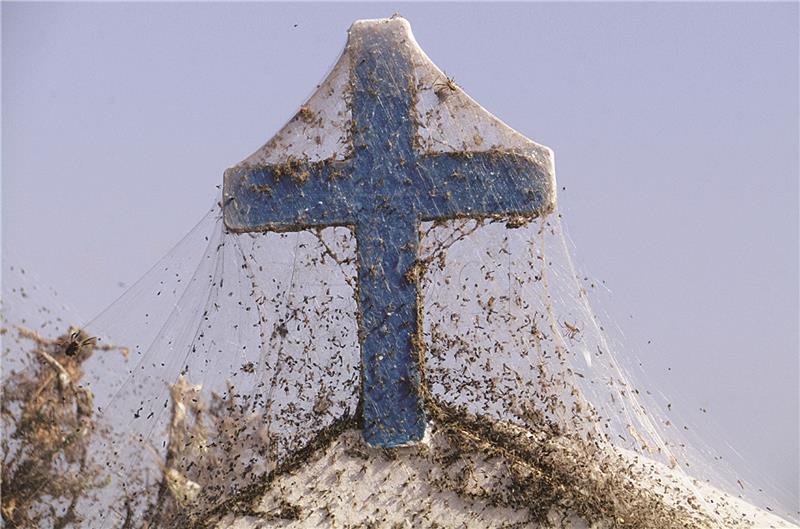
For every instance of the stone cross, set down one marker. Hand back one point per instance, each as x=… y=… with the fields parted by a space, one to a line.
x=383 y=185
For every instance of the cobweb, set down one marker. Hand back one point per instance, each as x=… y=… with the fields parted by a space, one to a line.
x=237 y=352
x=235 y=362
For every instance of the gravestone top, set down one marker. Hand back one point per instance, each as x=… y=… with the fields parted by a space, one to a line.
x=386 y=142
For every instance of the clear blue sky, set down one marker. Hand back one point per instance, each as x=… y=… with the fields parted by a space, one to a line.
x=675 y=128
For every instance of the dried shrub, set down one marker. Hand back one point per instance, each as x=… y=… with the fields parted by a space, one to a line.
x=48 y=423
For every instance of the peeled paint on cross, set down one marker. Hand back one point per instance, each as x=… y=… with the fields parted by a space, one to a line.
x=389 y=268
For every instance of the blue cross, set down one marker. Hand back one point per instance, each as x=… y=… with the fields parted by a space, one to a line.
x=382 y=191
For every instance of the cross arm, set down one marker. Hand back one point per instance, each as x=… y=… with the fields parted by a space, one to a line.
x=289 y=196
x=486 y=184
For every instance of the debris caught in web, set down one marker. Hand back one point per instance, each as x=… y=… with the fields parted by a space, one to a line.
x=227 y=388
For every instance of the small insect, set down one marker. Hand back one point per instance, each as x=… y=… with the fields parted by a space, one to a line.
x=249 y=367
x=572 y=330
x=305 y=114
x=281 y=330
x=323 y=403
x=77 y=341
x=442 y=89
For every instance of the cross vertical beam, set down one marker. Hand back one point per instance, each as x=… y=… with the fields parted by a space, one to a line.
x=386 y=232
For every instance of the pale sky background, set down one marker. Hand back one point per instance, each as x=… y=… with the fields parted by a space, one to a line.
x=675 y=128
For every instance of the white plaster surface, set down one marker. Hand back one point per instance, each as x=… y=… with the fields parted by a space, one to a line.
x=351 y=485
